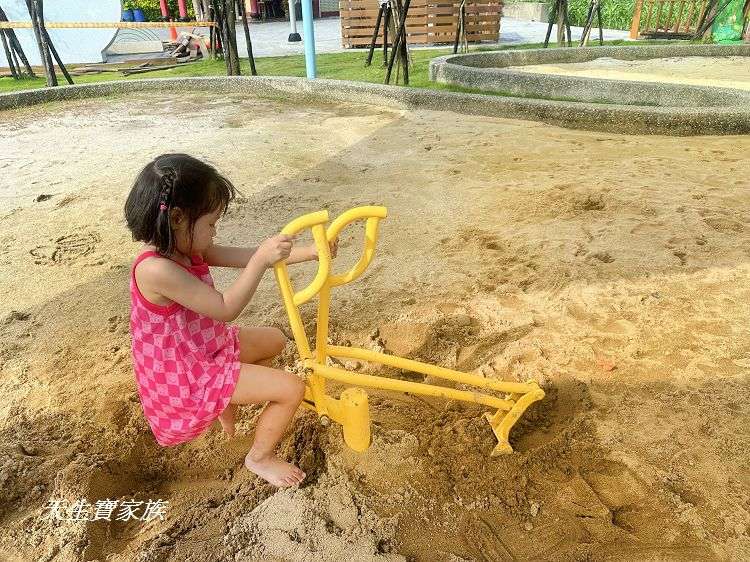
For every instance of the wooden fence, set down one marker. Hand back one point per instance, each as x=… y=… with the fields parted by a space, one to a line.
x=666 y=18
x=428 y=22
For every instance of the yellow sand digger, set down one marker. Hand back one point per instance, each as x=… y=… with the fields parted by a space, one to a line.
x=351 y=409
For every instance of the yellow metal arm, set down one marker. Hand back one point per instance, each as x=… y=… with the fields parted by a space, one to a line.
x=433 y=370
x=316 y=222
x=373 y=215
x=385 y=383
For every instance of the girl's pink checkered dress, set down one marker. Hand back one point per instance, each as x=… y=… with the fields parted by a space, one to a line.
x=186 y=364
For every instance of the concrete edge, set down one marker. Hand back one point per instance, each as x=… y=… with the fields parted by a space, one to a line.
x=488 y=71
x=610 y=118
x=520 y=57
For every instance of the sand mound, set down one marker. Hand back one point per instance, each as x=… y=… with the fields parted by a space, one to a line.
x=329 y=522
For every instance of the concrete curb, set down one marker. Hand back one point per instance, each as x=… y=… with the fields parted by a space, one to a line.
x=488 y=71
x=613 y=118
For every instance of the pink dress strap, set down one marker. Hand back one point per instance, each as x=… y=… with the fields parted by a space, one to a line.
x=158 y=308
x=195 y=260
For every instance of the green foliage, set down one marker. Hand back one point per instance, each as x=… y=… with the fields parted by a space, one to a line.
x=152 y=9
x=616 y=14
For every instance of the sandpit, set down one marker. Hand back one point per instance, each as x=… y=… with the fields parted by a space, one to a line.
x=723 y=72
x=659 y=89
x=611 y=269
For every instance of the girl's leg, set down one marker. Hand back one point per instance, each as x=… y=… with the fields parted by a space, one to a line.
x=283 y=391
x=260 y=345
x=257 y=346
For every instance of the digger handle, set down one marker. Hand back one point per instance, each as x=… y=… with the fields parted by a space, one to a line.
x=315 y=222
x=373 y=214
x=305 y=221
x=321 y=236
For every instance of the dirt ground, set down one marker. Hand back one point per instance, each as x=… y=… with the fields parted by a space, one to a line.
x=611 y=269
x=725 y=72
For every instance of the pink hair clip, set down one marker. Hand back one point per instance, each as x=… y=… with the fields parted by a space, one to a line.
x=163 y=207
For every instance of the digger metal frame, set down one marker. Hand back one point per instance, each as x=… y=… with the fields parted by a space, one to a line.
x=351 y=410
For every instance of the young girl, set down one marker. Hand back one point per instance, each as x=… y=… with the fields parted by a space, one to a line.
x=191 y=366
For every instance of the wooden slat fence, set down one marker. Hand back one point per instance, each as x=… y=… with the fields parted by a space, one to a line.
x=666 y=18
x=428 y=22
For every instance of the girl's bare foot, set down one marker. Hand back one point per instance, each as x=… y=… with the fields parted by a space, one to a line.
x=226 y=418
x=273 y=470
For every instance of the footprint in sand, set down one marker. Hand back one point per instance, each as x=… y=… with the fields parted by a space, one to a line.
x=16 y=316
x=114 y=323
x=589 y=202
x=682 y=256
x=66 y=249
x=604 y=257
x=724 y=224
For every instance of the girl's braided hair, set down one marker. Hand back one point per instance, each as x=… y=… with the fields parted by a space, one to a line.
x=174 y=182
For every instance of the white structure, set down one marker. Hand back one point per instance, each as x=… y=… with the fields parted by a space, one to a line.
x=74 y=45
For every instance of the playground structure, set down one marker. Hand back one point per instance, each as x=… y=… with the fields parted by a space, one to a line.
x=74 y=45
x=351 y=410
x=222 y=34
x=221 y=24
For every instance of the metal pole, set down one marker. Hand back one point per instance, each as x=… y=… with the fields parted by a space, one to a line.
x=182 y=9
x=294 y=37
x=309 y=31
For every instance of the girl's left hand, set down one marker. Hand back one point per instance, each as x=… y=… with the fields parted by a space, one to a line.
x=333 y=246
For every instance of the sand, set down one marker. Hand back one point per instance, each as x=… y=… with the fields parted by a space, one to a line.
x=611 y=269
x=720 y=72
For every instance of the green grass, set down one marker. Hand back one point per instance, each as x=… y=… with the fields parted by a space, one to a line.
x=337 y=66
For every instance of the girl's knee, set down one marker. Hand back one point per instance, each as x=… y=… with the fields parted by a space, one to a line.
x=278 y=340
x=297 y=389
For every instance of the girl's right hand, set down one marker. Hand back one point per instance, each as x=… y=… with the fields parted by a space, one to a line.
x=275 y=249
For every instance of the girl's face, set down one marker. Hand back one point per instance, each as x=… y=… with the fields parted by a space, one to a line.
x=204 y=231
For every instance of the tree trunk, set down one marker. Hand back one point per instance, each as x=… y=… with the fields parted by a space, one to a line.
x=56 y=55
x=44 y=54
x=11 y=66
x=243 y=11
x=16 y=49
x=233 y=65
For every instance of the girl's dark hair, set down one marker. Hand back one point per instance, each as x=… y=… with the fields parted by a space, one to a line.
x=174 y=181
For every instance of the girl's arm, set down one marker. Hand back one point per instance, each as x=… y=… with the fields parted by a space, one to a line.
x=166 y=278
x=228 y=256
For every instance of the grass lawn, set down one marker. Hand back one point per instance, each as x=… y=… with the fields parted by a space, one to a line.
x=337 y=66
